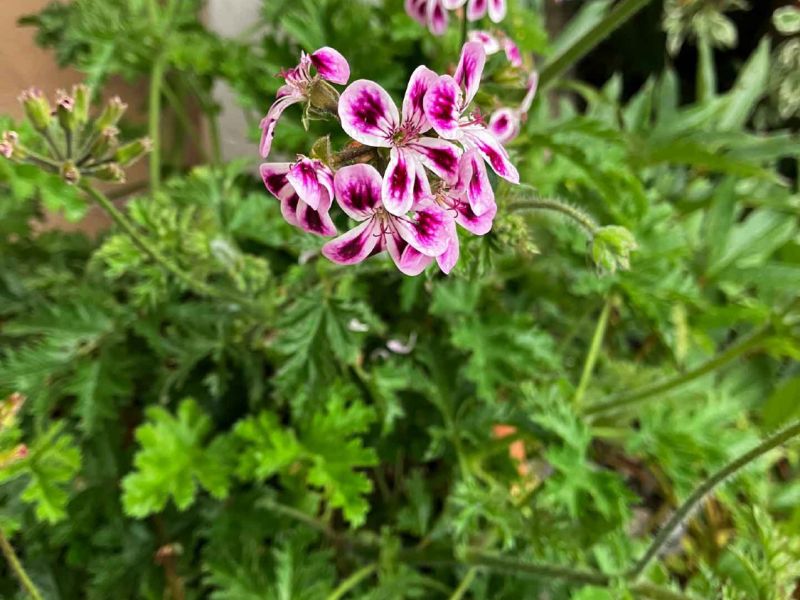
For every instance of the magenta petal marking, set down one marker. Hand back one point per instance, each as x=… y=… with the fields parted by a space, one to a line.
x=353 y=246
x=470 y=69
x=315 y=221
x=474 y=181
x=313 y=182
x=513 y=54
x=443 y=107
x=497 y=10
x=416 y=9
x=504 y=125
x=427 y=231
x=475 y=224
x=398 y=182
x=491 y=45
x=269 y=122
x=476 y=9
x=437 y=17
x=448 y=259
x=274 y=177
x=494 y=153
x=413 y=110
x=368 y=113
x=422 y=187
x=358 y=190
x=289 y=202
x=331 y=65
x=412 y=262
x=439 y=155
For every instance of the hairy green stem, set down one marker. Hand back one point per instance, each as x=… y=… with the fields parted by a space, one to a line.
x=621 y=400
x=618 y=16
x=18 y=569
x=464 y=27
x=48 y=136
x=594 y=351
x=679 y=516
x=352 y=581
x=154 y=120
x=578 y=216
x=463 y=587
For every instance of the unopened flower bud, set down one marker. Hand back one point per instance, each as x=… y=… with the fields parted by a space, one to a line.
x=8 y=143
x=9 y=457
x=111 y=114
x=82 y=98
x=324 y=97
x=105 y=143
x=37 y=108
x=129 y=153
x=70 y=173
x=110 y=172
x=10 y=408
x=65 y=110
x=611 y=248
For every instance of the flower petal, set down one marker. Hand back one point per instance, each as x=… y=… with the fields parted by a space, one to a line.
x=269 y=122
x=368 y=113
x=313 y=182
x=315 y=221
x=473 y=181
x=448 y=259
x=530 y=94
x=476 y=224
x=476 y=9
x=422 y=187
x=427 y=230
x=442 y=106
x=497 y=10
x=397 y=191
x=453 y=4
x=289 y=202
x=274 y=177
x=358 y=190
x=504 y=124
x=353 y=246
x=413 y=110
x=490 y=43
x=437 y=17
x=494 y=153
x=416 y=9
x=331 y=65
x=439 y=155
x=412 y=261
x=470 y=69
x=513 y=54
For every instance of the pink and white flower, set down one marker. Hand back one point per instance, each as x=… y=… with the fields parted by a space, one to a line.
x=305 y=190
x=477 y=9
x=428 y=13
x=506 y=123
x=492 y=44
x=359 y=194
x=329 y=65
x=369 y=115
x=446 y=107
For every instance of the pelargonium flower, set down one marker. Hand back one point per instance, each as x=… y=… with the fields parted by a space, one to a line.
x=477 y=9
x=447 y=104
x=300 y=84
x=305 y=190
x=369 y=115
x=454 y=199
x=505 y=123
x=492 y=44
x=359 y=193
x=428 y=13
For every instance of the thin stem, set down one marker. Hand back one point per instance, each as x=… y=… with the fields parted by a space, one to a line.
x=594 y=351
x=683 y=512
x=618 y=16
x=624 y=399
x=463 y=587
x=18 y=569
x=48 y=136
x=351 y=154
x=578 y=216
x=464 y=26
x=352 y=581
x=154 y=122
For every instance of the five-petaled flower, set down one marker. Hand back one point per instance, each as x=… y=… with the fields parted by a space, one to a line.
x=301 y=85
x=358 y=192
x=477 y=9
x=305 y=190
x=369 y=116
x=447 y=104
x=505 y=123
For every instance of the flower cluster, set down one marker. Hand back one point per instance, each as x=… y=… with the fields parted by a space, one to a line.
x=433 y=14
x=74 y=145
x=433 y=153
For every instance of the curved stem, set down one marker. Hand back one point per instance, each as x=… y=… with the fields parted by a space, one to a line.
x=594 y=351
x=683 y=512
x=18 y=569
x=575 y=214
x=617 y=17
x=621 y=400
x=463 y=587
x=352 y=581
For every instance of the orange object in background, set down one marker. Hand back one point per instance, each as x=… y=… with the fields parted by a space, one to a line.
x=516 y=449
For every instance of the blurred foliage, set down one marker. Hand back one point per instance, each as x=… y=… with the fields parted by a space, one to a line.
x=338 y=433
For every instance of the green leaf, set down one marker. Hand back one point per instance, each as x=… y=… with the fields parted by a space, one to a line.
x=783 y=405
x=750 y=87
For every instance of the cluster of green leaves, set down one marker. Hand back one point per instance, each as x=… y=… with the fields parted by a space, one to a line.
x=312 y=431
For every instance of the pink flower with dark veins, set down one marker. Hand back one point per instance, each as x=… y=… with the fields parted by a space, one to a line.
x=492 y=44
x=305 y=190
x=369 y=115
x=428 y=13
x=447 y=108
x=329 y=65
x=358 y=192
x=506 y=123
x=477 y=9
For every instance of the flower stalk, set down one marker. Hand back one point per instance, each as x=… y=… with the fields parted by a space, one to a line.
x=19 y=571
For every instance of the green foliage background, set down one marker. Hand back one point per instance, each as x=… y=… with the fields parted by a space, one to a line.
x=282 y=448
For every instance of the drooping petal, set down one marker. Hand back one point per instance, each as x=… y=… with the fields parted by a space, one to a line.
x=443 y=107
x=331 y=65
x=453 y=4
x=497 y=10
x=274 y=177
x=470 y=69
x=491 y=45
x=413 y=110
x=368 y=113
x=504 y=124
x=313 y=182
x=513 y=54
x=427 y=230
x=448 y=259
x=358 y=190
x=355 y=245
x=473 y=183
x=494 y=153
x=437 y=17
x=422 y=187
x=530 y=94
x=417 y=10
x=476 y=224
x=412 y=262
x=439 y=155
x=289 y=202
x=315 y=221
x=476 y=9
x=397 y=191
x=269 y=122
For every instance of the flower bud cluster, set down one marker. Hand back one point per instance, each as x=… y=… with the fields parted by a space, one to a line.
x=69 y=142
